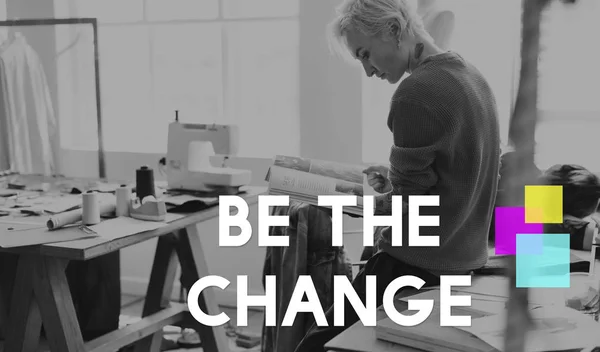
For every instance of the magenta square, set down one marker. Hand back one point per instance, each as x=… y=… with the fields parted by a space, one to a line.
x=509 y=222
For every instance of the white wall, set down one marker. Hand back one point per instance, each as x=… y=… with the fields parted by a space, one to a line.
x=330 y=109
x=330 y=91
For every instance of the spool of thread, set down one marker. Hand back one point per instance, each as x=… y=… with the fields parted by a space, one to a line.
x=144 y=182
x=123 y=195
x=90 y=208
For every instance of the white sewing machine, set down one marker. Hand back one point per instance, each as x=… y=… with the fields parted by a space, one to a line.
x=189 y=151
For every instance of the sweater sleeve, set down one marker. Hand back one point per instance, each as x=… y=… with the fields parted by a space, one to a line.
x=418 y=135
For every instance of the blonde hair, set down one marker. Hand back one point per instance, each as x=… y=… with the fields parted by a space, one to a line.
x=372 y=18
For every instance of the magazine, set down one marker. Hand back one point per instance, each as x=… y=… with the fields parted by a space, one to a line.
x=304 y=180
x=555 y=328
x=431 y=336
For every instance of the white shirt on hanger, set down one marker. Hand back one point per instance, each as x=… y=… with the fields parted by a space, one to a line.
x=27 y=109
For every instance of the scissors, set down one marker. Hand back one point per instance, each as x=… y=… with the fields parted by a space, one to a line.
x=87 y=230
x=590 y=349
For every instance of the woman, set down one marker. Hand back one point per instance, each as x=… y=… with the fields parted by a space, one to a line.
x=439 y=24
x=443 y=118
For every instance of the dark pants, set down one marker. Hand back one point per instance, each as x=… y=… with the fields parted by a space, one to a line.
x=96 y=291
x=387 y=269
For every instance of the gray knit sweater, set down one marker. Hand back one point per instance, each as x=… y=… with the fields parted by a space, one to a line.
x=446 y=142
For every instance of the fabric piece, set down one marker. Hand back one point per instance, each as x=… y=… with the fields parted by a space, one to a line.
x=28 y=113
x=309 y=253
x=446 y=143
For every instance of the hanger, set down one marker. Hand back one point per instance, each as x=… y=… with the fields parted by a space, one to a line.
x=7 y=36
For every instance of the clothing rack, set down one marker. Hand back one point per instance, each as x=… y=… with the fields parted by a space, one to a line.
x=70 y=21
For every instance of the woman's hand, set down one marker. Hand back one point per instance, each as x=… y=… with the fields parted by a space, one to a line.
x=377 y=177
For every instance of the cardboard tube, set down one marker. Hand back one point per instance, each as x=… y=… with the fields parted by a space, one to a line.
x=74 y=216
x=91 y=208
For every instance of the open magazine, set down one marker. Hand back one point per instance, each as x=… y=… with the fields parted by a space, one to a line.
x=555 y=328
x=304 y=180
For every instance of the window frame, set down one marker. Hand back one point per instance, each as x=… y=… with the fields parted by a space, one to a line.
x=221 y=19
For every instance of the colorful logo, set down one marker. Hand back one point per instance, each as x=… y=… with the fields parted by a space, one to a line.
x=543 y=259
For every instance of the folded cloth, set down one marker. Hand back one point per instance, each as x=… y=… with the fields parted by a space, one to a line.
x=310 y=252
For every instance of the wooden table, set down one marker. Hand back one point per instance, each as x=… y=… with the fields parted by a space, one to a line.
x=41 y=293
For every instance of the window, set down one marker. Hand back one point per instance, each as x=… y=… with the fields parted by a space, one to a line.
x=165 y=10
x=569 y=118
x=260 y=8
x=216 y=61
x=486 y=34
x=261 y=65
x=3 y=9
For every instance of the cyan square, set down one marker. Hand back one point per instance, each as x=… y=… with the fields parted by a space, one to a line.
x=509 y=221
x=551 y=269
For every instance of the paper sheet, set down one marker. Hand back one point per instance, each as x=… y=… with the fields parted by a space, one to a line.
x=50 y=203
x=20 y=235
x=27 y=234
x=124 y=226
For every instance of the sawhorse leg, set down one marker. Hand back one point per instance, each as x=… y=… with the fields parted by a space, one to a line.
x=193 y=262
x=41 y=295
x=8 y=269
x=185 y=245
x=159 y=288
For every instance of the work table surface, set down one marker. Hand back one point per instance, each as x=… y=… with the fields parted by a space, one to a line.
x=84 y=249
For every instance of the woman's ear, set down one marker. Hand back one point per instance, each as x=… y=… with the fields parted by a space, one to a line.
x=393 y=32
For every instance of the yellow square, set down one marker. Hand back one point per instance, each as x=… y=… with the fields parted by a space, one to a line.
x=548 y=199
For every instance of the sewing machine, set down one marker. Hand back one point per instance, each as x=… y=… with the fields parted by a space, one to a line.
x=189 y=152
